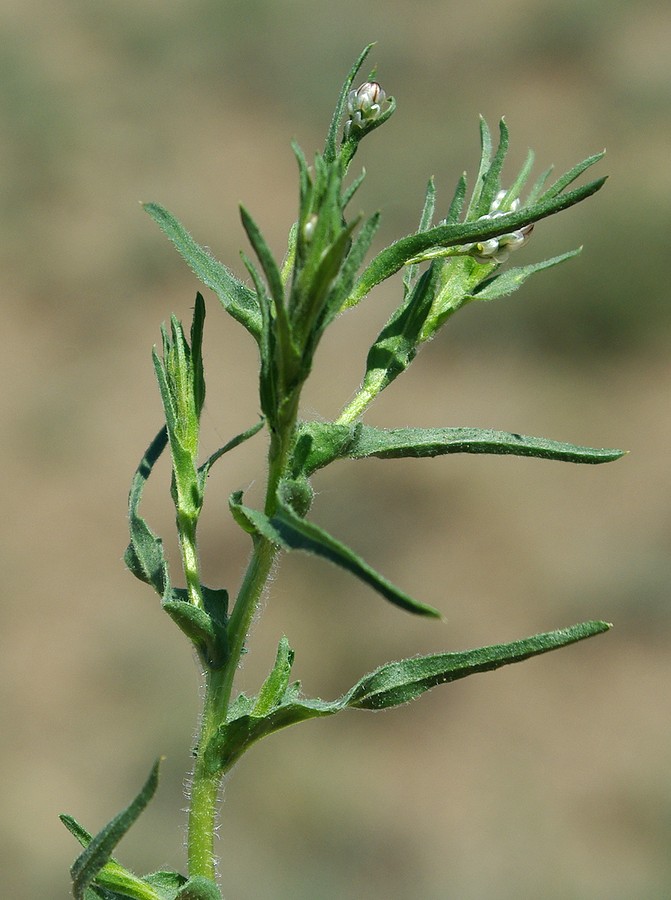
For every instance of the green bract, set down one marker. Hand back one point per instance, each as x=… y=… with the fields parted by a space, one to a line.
x=446 y=265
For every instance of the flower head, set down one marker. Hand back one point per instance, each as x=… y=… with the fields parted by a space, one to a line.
x=364 y=105
x=498 y=249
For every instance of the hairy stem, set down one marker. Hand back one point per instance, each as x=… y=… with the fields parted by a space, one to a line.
x=208 y=773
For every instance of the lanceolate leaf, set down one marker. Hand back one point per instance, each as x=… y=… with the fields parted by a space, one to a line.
x=204 y=469
x=387 y=444
x=343 y=283
x=570 y=176
x=396 y=345
x=457 y=202
x=511 y=279
x=399 y=682
x=299 y=534
x=424 y=222
x=200 y=627
x=485 y=162
x=492 y=178
x=391 y=685
x=268 y=264
x=290 y=532
x=98 y=852
x=197 y=353
x=236 y=298
x=113 y=880
x=274 y=687
x=144 y=555
x=321 y=443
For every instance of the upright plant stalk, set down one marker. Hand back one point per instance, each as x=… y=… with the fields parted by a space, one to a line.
x=206 y=779
x=460 y=260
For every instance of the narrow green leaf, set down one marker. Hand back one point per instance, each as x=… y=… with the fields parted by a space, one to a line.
x=352 y=189
x=144 y=556
x=396 y=345
x=511 y=279
x=236 y=298
x=204 y=469
x=197 y=353
x=320 y=443
x=397 y=683
x=268 y=375
x=343 y=284
x=539 y=184
x=425 y=221
x=367 y=441
x=76 y=830
x=491 y=183
x=205 y=626
x=275 y=685
x=98 y=852
x=570 y=176
x=194 y=622
x=314 y=271
x=429 y=207
x=485 y=162
x=167 y=399
x=516 y=188
x=327 y=293
x=290 y=532
x=113 y=879
x=394 y=257
x=177 y=386
x=457 y=203
x=391 y=685
x=304 y=180
x=290 y=256
x=280 y=356
x=268 y=264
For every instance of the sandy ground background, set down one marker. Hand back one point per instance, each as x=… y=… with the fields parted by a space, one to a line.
x=544 y=780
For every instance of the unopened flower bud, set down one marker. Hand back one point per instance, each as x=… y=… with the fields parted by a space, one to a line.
x=364 y=105
x=498 y=249
x=309 y=228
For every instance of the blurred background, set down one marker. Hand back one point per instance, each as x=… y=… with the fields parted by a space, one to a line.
x=548 y=779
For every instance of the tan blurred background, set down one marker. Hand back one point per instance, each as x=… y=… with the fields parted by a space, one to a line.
x=549 y=779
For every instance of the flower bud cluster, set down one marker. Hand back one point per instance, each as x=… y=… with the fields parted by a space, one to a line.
x=364 y=105
x=498 y=249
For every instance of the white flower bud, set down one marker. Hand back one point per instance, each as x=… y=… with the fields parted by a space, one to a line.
x=498 y=249
x=309 y=228
x=364 y=105
x=486 y=248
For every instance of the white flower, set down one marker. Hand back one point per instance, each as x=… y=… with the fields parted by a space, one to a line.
x=498 y=249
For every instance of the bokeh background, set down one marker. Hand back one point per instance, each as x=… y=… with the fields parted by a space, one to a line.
x=548 y=779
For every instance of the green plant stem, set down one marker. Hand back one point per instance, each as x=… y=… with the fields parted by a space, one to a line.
x=205 y=785
x=187 y=535
x=208 y=773
x=358 y=404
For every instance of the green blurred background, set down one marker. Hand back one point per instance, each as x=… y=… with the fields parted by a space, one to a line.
x=544 y=780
